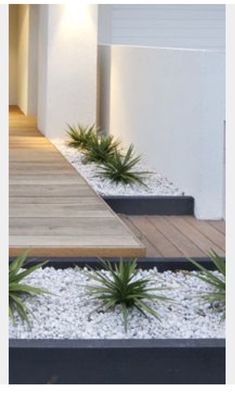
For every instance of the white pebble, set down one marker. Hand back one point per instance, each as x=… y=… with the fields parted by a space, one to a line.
x=67 y=315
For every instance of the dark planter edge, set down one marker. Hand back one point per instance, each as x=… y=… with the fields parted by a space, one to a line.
x=161 y=263
x=151 y=205
x=183 y=356
x=117 y=343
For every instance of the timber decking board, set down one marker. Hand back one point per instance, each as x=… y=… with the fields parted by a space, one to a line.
x=164 y=246
x=54 y=190
x=58 y=210
x=151 y=249
x=53 y=211
x=45 y=179
x=67 y=226
x=183 y=235
x=218 y=225
x=192 y=233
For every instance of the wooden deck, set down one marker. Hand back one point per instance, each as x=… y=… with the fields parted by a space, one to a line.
x=178 y=236
x=53 y=211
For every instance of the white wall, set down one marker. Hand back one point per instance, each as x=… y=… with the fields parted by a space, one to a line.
x=68 y=66
x=13 y=33
x=177 y=25
x=22 y=68
x=103 y=92
x=170 y=104
x=42 y=68
x=33 y=59
x=23 y=50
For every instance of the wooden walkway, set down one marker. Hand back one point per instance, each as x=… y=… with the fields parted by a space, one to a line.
x=53 y=211
x=178 y=236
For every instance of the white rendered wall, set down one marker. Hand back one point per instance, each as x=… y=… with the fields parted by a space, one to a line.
x=42 y=67
x=23 y=57
x=22 y=66
x=170 y=104
x=67 y=67
x=103 y=94
x=33 y=59
x=167 y=25
x=13 y=33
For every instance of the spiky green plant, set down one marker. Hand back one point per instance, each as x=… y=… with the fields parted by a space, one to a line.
x=217 y=296
x=119 y=168
x=17 y=289
x=101 y=149
x=80 y=137
x=119 y=286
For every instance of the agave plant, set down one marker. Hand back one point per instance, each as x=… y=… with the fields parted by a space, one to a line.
x=217 y=296
x=119 y=168
x=17 y=289
x=80 y=137
x=119 y=286
x=101 y=149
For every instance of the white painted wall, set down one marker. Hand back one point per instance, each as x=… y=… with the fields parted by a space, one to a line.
x=22 y=57
x=42 y=100
x=170 y=104
x=67 y=66
x=33 y=59
x=23 y=52
x=167 y=25
x=13 y=33
x=103 y=80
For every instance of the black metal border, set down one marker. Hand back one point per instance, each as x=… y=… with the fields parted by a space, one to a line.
x=131 y=361
x=161 y=263
x=151 y=205
x=173 y=361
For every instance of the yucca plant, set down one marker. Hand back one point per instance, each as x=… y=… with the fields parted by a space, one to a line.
x=217 y=296
x=101 y=149
x=80 y=137
x=17 y=289
x=119 y=286
x=119 y=168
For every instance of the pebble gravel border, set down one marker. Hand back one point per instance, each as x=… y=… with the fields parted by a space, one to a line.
x=69 y=313
x=156 y=183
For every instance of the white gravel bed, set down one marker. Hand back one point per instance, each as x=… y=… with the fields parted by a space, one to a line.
x=67 y=313
x=156 y=183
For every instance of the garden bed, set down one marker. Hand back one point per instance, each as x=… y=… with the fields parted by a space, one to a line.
x=99 y=351
x=159 y=197
x=157 y=185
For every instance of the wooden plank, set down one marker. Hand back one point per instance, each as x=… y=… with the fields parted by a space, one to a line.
x=30 y=147
x=47 y=179
x=210 y=232
x=151 y=250
x=24 y=132
x=35 y=156
x=59 y=210
x=37 y=167
x=181 y=241
x=218 y=225
x=67 y=226
x=30 y=150
x=52 y=172
x=79 y=251
x=53 y=190
x=194 y=235
x=72 y=241
x=53 y=200
x=162 y=244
